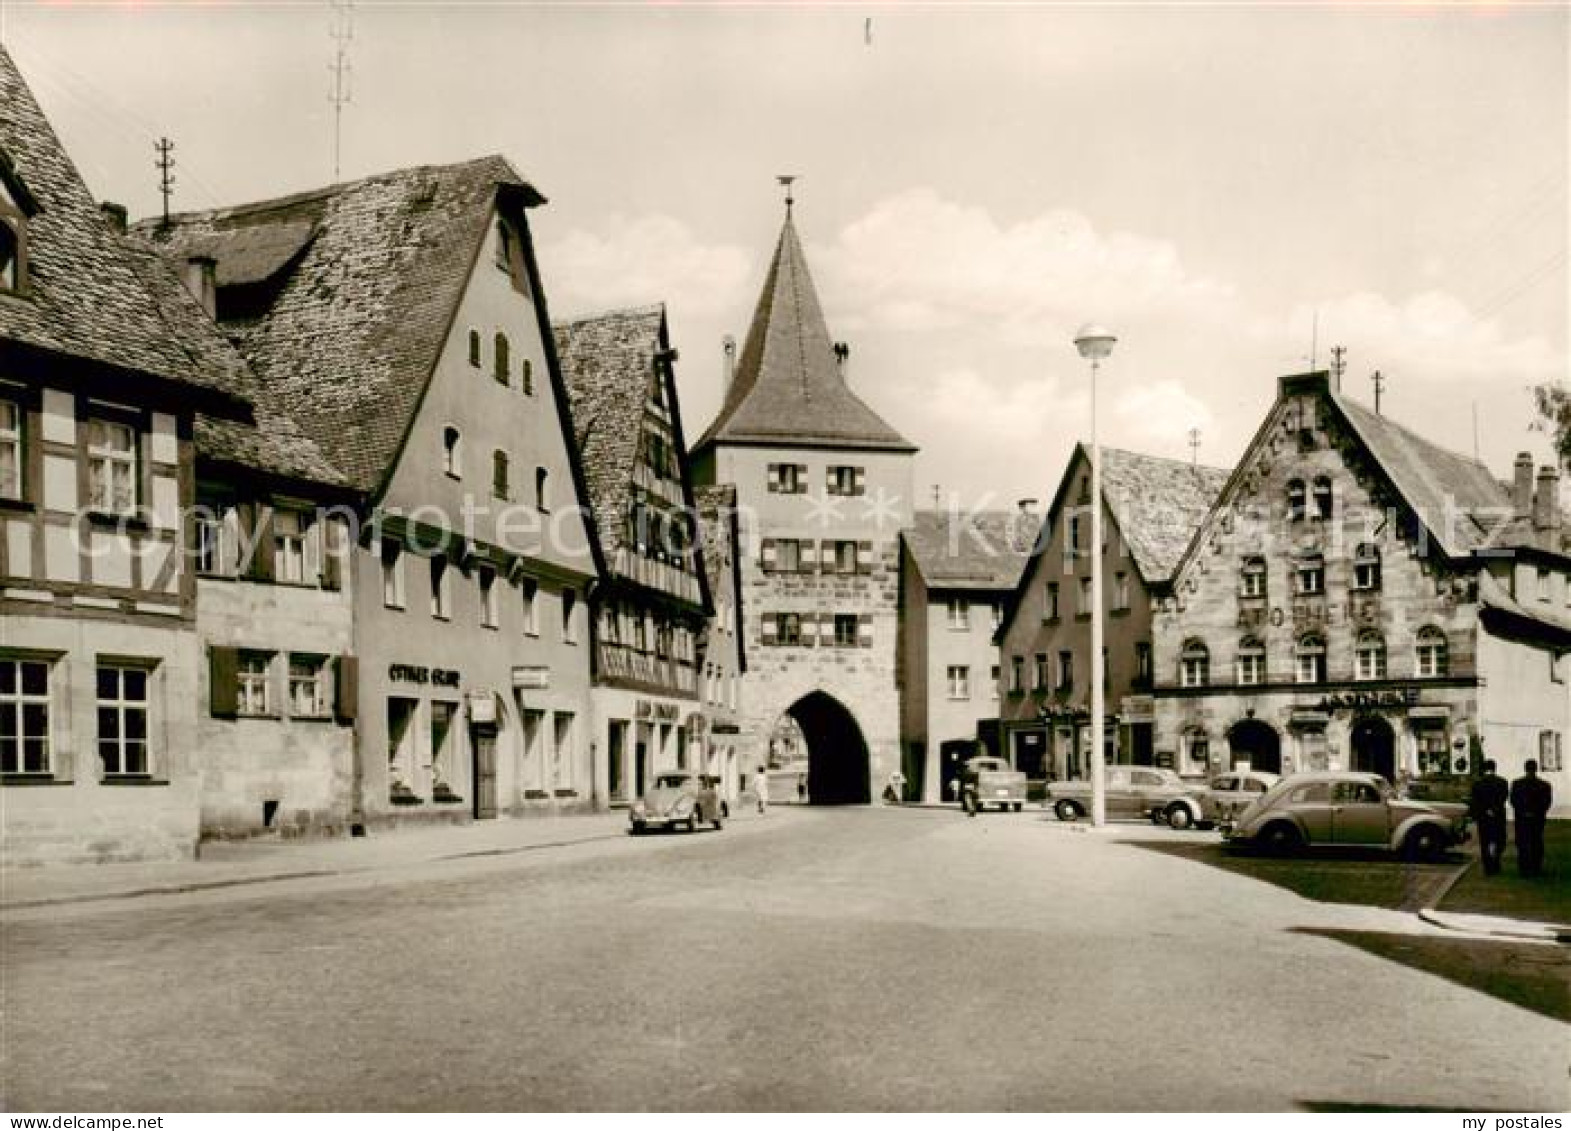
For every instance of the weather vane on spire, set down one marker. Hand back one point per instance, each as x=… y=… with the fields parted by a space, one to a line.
x=786 y=179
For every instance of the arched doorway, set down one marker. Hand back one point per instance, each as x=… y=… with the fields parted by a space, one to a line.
x=1374 y=747
x=1258 y=744
x=837 y=758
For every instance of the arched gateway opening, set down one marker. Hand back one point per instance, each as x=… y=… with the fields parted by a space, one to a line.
x=837 y=757
x=1256 y=743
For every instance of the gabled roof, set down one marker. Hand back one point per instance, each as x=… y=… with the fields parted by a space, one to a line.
x=982 y=550
x=1158 y=504
x=368 y=278
x=83 y=298
x=788 y=388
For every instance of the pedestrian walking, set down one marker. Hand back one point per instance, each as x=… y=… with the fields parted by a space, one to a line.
x=895 y=791
x=1531 y=796
x=761 y=788
x=1487 y=804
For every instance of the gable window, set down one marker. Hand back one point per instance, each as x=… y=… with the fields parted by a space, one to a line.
x=10 y=450
x=1432 y=658
x=1194 y=665
x=1322 y=495
x=1297 y=500
x=490 y=611
x=1311 y=575
x=1366 y=566
x=959 y=681
x=501 y=363
x=527 y=373
x=542 y=494
x=24 y=717
x=474 y=348
x=845 y=480
x=1370 y=656
x=452 y=452
x=845 y=630
x=122 y=720
x=441 y=589
x=569 y=616
x=499 y=484
x=1074 y=536
x=959 y=613
x=307 y=686
x=1309 y=660
x=1050 y=605
x=111 y=453
x=1251 y=662
x=1253 y=578
x=392 y=575
x=1120 y=592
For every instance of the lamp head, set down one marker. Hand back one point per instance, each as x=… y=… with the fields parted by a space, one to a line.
x=1094 y=342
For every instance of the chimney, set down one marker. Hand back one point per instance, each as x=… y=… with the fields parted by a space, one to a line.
x=1522 y=485
x=1546 y=506
x=1025 y=526
x=200 y=278
x=115 y=214
x=728 y=369
x=843 y=360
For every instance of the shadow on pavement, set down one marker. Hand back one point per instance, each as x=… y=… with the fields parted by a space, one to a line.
x=1371 y=879
x=1338 y=1107
x=1532 y=975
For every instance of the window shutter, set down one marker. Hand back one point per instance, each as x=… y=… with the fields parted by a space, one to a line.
x=801 y=479
x=223 y=682
x=260 y=533
x=864 y=557
x=864 y=630
x=774 y=479
x=859 y=480
x=346 y=688
x=332 y=559
x=826 y=630
x=770 y=627
x=766 y=555
x=808 y=549
x=809 y=630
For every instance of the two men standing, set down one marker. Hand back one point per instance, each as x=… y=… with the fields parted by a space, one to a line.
x=1530 y=797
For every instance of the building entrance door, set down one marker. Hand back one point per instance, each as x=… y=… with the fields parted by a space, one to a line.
x=1374 y=747
x=483 y=748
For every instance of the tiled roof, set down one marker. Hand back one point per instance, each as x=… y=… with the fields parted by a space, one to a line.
x=1158 y=504
x=982 y=550
x=83 y=297
x=266 y=439
x=363 y=302
x=608 y=361
x=788 y=388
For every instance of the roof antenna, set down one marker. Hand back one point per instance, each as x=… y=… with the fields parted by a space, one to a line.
x=343 y=31
x=1380 y=383
x=1338 y=364
x=1194 y=448
x=786 y=179
x=165 y=164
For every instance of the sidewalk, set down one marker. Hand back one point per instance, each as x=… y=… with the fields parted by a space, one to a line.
x=1498 y=926
x=229 y=863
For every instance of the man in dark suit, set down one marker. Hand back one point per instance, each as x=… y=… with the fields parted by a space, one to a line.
x=1531 y=796
x=1487 y=803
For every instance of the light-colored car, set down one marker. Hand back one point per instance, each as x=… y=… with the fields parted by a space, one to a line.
x=987 y=780
x=1227 y=795
x=1350 y=810
x=677 y=799
x=1140 y=792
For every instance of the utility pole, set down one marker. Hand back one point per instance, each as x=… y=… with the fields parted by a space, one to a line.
x=1380 y=383
x=165 y=164
x=1194 y=447
x=340 y=95
x=1338 y=362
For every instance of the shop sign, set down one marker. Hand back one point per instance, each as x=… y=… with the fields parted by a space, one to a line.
x=663 y=712
x=1399 y=700
x=1138 y=709
x=533 y=678
x=436 y=677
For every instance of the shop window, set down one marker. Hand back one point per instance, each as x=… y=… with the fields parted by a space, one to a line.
x=25 y=746
x=392 y=575
x=490 y=609
x=308 y=686
x=1434 y=751
x=1251 y=662
x=1310 y=660
x=254 y=684
x=122 y=721
x=959 y=681
x=569 y=616
x=112 y=466
x=1311 y=575
x=529 y=592
x=959 y=613
x=845 y=630
x=442 y=715
x=10 y=448
x=500 y=362
x=499 y=474
x=562 y=751
x=1322 y=497
x=1370 y=656
x=452 y=452
x=1297 y=500
x=441 y=589
x=1194 y=665
x=1432 y=653
x=1366 y=566
x=1253 y=580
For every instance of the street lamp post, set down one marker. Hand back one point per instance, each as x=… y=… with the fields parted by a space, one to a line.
x=1095 y=344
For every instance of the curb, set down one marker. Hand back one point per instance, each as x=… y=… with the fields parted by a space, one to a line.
x=1491 y=925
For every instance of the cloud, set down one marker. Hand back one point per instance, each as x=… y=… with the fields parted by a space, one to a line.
x=644 y=259
x=1151 y=416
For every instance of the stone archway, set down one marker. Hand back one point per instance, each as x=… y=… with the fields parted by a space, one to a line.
x=1374 y=746
x=1257 y=743
x=838 y=764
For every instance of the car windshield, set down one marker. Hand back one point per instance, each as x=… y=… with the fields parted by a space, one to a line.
x=672 y=781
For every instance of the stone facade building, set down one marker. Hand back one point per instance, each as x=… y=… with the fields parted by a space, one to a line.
x=651 y=607
x=823 y=486
x=1150 y=509
x=1363 y=599
x=956 y=572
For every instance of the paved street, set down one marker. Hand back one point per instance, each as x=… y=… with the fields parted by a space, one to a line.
x=814 y=959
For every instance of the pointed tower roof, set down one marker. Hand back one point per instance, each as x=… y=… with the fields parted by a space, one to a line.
x=788 y=388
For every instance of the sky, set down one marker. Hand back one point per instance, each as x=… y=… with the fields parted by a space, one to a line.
x=1232 y=190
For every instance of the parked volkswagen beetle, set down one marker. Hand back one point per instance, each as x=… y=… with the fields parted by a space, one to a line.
x=1347 y=809
x=677 y=799
x=1229 y=794
x=1131 y=791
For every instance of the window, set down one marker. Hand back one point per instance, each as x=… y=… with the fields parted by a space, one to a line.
x=528 y=373
x=1074 y=536
x=1050 y=606
x=452 y=453
x=1297 y=500
x=1251 y=662
x=499 y=484
x=529 y=588
x=1017 y=674
x=111 y=453
x=1550 y=751
x=254 y=684
x=441 y=589
x=11 y=270
x=569 y=620
x=1366 y=566
x=998 y=613
x=787 y=478
x=959 y=681
x=474 y=348
x=24 y=717
x=993 y=679
x=215 y=543
x=845 y=556
x=1142 y=663
x=846 y=630
x=1311 y=575
x=1194 y=665
x=1041 y=678
x=1084 y=608
x=122 y=720
x=290 y=529
x=846 y=481
x=392 y=575
x=640 y=632
x=1434 y=752
x=501 y=364
x=308 y=687
x=1309 y=660
x=1370 y=657
x=1322 y=496
x=788 y=555
x=490 y=610
x=1253 y=580
x=959 y=613
x=1544 y=584
x=788 y=628
x=10 y=447
x=542 y=495
x=1432 y=658
x=1120 y=591
x=1066 y=671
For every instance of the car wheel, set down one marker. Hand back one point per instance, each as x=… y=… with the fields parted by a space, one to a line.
x=1281 y=839
x=1066 y=810
x=1424 y=843
x=638 y=828
x=1179 y=817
